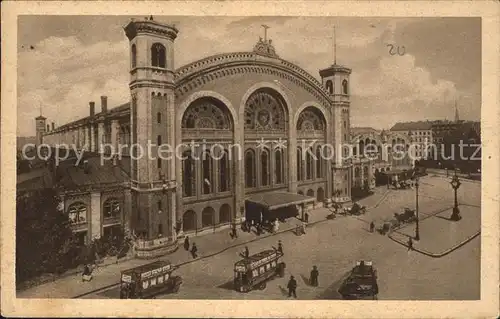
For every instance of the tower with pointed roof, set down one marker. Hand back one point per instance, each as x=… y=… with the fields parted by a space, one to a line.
x=335 y=80
x=457 y=118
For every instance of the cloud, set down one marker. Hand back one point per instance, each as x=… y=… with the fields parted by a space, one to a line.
x=64 y=73
x=398 y=90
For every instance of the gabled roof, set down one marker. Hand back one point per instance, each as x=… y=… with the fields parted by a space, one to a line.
x=412 y=126
x=72 y=176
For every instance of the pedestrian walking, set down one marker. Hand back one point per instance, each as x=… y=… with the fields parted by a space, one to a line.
x=280 y=247
x=306 y=217
x=314 y=276
x=234 y=231
x=194 y=250
x=292 y=287
x=247 y=252
x=186 y=243
x=372 y=227
x=410 y=244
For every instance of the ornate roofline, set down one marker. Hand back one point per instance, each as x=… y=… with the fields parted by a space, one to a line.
x=242 y=62
x=135 y=27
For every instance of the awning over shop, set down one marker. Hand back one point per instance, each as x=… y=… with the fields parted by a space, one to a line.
x=277 y=200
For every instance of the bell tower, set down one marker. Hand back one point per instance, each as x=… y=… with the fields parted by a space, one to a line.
x=40 y=127
x=152 y=120
x=335 y=80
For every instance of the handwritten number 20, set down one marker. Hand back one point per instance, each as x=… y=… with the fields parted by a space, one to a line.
x=399 y=50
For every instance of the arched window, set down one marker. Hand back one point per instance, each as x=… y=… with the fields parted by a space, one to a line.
x=188 y=174
x=319 y=162
x=299 y=165
x=189 y=221
x=249 y=168
x=158 y=55
x=309 y=166
x=264 y=162
x=207 y=217
x=344 y=87
x=278 y=166
x=158 y=117
x=133 y=53
x=225 y=214
x=77 y=213
x=207 y=172
x=224 y=175
x=329 y=86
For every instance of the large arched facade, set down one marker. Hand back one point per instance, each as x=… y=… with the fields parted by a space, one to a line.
x=267 y=122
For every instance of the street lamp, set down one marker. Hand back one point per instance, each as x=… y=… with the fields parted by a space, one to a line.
x=455 y=184
x=417 y=230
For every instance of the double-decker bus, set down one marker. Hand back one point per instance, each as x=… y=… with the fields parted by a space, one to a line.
x=149 y=280
x=254 y=271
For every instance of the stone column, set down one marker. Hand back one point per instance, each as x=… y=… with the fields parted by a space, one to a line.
x=127 y=210
x=95 y=211
x=115 y=128
x=92 y=138
x=100 y=136
x=86 y=139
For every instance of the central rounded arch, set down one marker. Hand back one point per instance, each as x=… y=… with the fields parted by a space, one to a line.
x=265 y=114
x=265 y=109
x=268 y=86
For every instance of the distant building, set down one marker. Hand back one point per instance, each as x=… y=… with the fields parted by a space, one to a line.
x=374 y=154
x=420 y=134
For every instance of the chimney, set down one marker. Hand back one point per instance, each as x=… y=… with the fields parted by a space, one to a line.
x=104 y=104
x=92 y=109
x=53 y=126
x=86 y=167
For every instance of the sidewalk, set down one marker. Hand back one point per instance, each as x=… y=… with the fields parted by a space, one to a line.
x=208 y=245
x=438 y=235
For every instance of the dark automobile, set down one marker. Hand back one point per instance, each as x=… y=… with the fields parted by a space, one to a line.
x=361 y=283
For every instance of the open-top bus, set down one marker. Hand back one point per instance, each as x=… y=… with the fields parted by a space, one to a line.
x=149 y=280
x=256 y=270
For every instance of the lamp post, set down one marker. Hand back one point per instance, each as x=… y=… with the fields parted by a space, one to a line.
x=455 y=184
x=417 y=230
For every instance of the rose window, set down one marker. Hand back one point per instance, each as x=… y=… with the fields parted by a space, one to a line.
x=264 y=111
x=205 y=114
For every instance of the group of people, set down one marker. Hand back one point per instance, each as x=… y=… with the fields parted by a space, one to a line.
x=194 y=249
x=292 y=283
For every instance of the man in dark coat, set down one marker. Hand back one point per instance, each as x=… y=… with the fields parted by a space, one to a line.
x=372 y=227
x=292 y=287
x=194 y=250
x=280 y=247
x=247 y=252
x=410 y=244
x=314 y=276
x=186 y=243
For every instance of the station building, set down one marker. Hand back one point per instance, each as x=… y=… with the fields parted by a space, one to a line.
x=238 y=98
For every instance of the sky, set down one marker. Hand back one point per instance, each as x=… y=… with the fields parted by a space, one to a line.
x=66 y=61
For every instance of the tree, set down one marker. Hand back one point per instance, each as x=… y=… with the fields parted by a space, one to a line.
x=43 y=234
